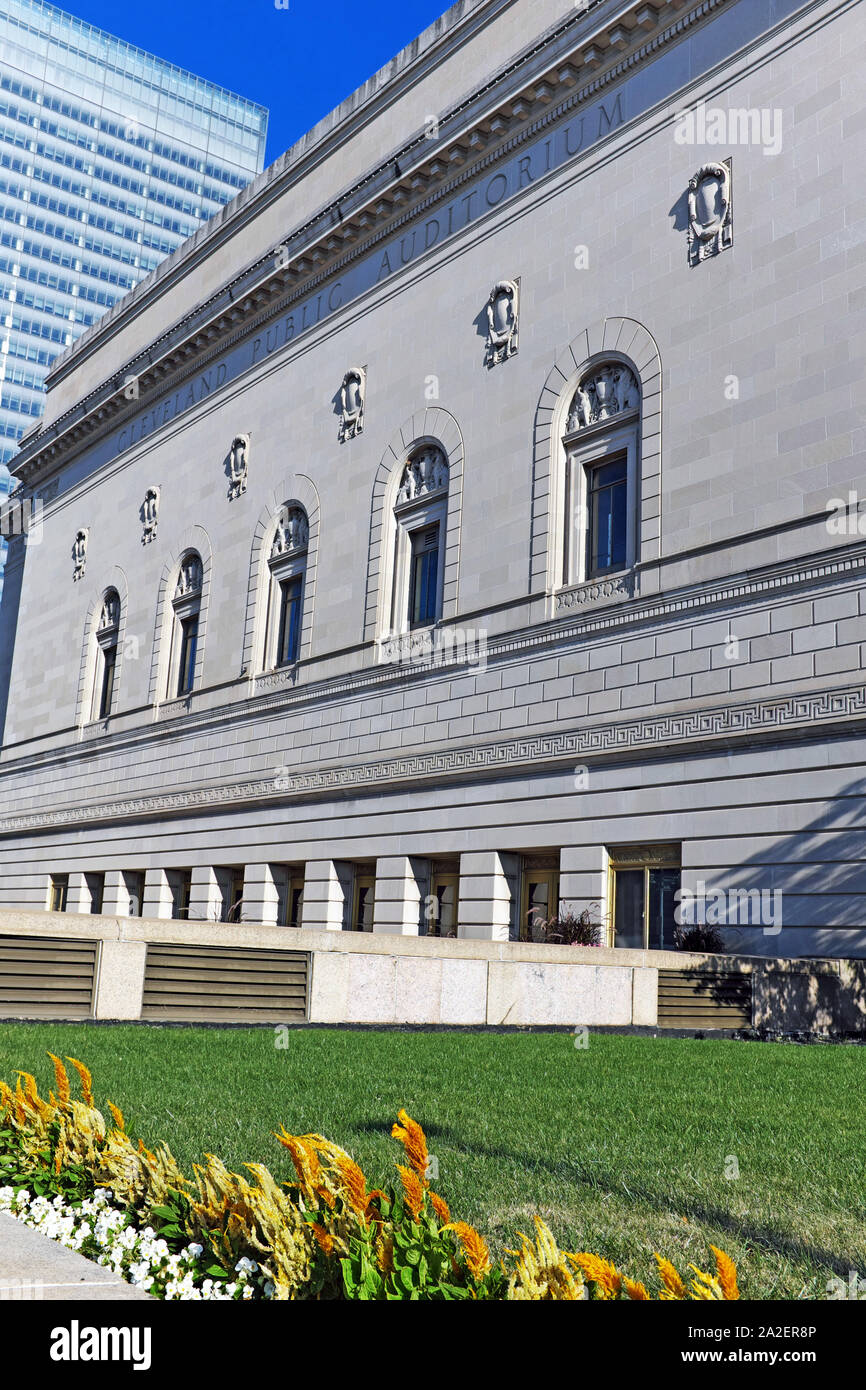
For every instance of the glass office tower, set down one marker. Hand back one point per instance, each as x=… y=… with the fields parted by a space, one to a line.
x=5 y=489
x=109 y=159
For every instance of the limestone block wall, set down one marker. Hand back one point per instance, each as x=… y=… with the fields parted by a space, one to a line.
x=718 y=705
x=738 y=484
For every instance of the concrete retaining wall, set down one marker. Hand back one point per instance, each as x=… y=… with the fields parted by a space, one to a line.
x=361 y=978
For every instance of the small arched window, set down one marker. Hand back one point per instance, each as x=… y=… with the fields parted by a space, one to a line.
x=601 y=449
x=107 y=638
x=421 y=514
x=287 y=564
x=186 y=605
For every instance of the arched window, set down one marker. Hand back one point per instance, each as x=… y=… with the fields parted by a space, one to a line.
x=107 y=639
x=601 y=484
x=186 y=605
x=421 y=514
x=288 y=570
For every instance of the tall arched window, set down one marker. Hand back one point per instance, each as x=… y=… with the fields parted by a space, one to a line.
x=602 y=466
x=186 y=605
x=421 y=514
x=287 y=564
x=107 y=638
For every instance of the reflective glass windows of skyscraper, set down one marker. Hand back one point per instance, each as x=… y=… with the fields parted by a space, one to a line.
x=5 y=489
x=109 y=159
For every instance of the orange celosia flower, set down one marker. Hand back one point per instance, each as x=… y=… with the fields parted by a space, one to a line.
x=117 y=1116
x=304 y=1157
x=20 y=1107
x=86 y=1080
x=29 y=1088
x=636 y=1291
x=61 y=1080
x=600 y=1272
x=412 y=1137
x=474 y=1248
x=671 y=1280
x=413 y=1189
x=326 y=1241
x=440 y=1206
x=726 y=1273
x=354 y=1182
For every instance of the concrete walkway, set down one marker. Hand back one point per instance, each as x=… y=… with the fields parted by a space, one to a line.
x=32 y=1267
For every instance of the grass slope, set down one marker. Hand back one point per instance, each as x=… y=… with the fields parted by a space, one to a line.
x=625 y=1148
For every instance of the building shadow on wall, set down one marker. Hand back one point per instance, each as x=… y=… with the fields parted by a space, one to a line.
x=825 y=998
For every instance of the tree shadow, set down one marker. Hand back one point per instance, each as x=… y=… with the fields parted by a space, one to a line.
x=819 y=874
x=609 y=1181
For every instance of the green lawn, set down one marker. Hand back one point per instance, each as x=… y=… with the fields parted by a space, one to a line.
x=623 y=1147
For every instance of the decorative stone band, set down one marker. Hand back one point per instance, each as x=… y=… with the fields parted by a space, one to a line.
x=794 y=713
x=596 y=591
x=172 y=709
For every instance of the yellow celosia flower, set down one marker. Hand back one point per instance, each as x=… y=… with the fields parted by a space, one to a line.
x=385 y=1254
x=541 y=1271
x=705 y=1287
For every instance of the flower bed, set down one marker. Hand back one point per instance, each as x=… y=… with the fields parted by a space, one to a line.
x=69 y=1173
x=102 y=1233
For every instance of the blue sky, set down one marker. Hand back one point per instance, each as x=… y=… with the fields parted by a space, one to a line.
x=300 y=62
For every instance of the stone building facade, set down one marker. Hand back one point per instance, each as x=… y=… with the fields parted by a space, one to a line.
x=463 y=526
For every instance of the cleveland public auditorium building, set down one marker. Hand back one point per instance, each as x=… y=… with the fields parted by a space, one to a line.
x=464 y=526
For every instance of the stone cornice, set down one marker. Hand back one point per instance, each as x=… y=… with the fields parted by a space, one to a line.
x=446 y=35
x=597 y=619
x=691 y=730
x=570 y=66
